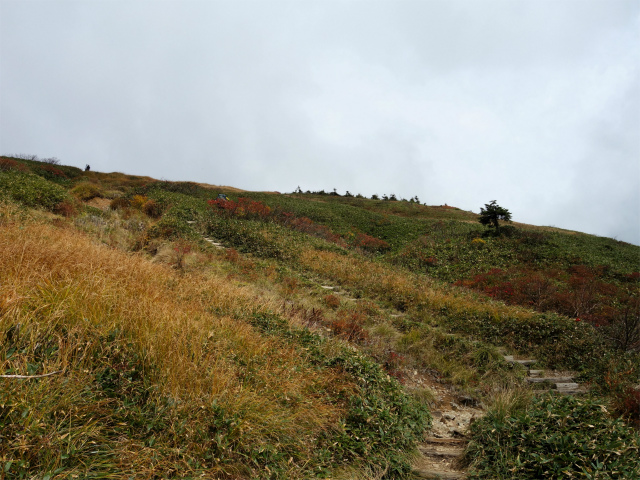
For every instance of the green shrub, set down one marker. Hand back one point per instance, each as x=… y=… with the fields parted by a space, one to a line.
x=556 y=437
x=381 y=424
x=31 y=190
x=86 y=191
x=171 y=227
x=50 y=169
x=266 y=240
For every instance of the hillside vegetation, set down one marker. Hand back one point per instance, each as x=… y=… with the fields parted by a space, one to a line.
x=289 y=353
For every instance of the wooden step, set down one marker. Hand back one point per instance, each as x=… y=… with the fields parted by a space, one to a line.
x=450 y=451
x=439 y=474
x=214 y=243
x=535 y=373
x=569 y=388
x=526 y=363
x=446 y=441
x=550 y=379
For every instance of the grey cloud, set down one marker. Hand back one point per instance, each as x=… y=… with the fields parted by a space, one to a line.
x=459 y=102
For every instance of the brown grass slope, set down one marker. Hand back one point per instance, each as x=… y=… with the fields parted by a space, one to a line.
x=73 y=307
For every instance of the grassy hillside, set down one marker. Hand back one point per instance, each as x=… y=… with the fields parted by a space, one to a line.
x=284 y=355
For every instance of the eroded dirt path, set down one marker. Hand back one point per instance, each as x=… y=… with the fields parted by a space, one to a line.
x=442 y=450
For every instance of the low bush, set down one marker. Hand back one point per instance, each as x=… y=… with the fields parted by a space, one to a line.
x=170 y=227
x=86 y=191
x=31 y=190
x=370 y=244
x=51 y=172
x=138 y=201
x=554 y=437
x=152 y=209
x=332 y=301
x=119 y=203
x=266 y=240
x=381 y=423
x=7 y=164
x=243 y=208
x=66 y=208
x=578 y=293
x=349 y=325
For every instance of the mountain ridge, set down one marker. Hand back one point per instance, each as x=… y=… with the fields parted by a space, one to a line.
x=417 y=293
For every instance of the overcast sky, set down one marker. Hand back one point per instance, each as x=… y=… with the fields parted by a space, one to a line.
x=533 y=103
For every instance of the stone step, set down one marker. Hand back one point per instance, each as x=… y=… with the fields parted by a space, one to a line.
x=550 y=379
x=535 y=373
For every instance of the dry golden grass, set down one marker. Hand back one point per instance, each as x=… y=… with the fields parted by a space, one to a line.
x=402 y=288
x=221 y=188
x=56 y=281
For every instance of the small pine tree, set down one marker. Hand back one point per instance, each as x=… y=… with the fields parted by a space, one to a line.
x=492 y=213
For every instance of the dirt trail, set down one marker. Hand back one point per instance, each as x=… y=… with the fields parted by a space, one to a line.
x=442 y=450
x=441 y=453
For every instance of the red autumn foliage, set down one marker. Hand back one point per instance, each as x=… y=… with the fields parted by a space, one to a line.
x=578 y=293
x=306 y=225
x=181 y=249
x=65 y=208
x=633 y=277
x=630 y=405
x=56 y=172
x=255 y=210
x=231 y=254
x=244 y=207
x=332 y=301
x=394 y=364
x=371 y=244
x=7 y=164
x=152 y=209
x=349 y=327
